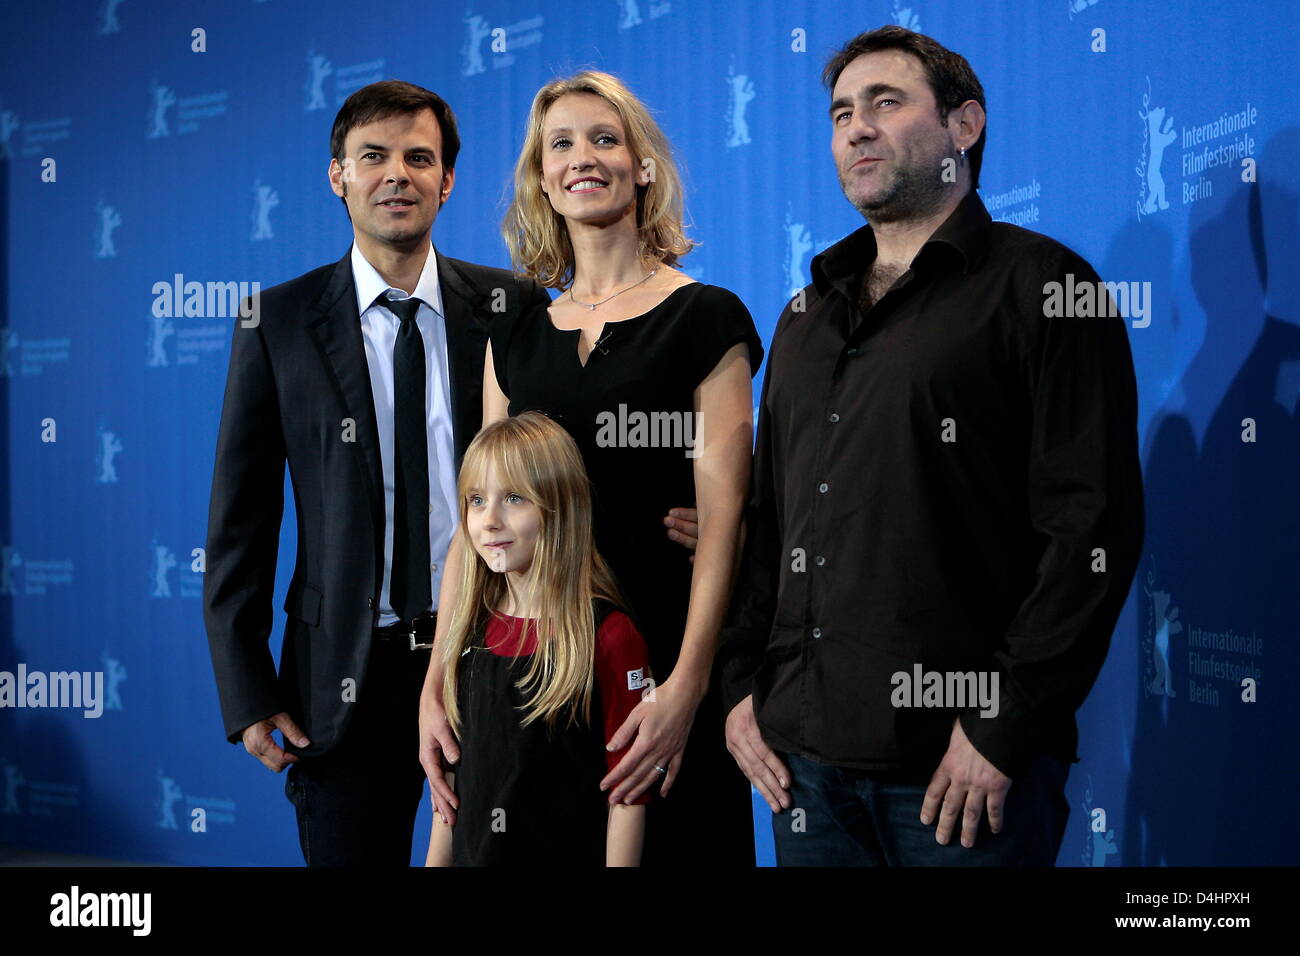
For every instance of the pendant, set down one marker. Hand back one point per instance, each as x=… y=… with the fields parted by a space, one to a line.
x=591 y=308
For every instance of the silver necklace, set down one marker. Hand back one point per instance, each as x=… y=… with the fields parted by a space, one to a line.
x=591 y=306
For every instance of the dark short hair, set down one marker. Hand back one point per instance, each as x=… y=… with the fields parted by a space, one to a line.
x=392 y=98
x=952 y=81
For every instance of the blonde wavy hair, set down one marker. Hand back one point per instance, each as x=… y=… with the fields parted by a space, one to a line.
x=536 y=234
x=537 y=459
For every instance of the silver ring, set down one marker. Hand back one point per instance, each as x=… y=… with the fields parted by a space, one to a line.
x=660 y=769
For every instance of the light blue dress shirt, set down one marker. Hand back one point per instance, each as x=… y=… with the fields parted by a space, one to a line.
x=379 y=331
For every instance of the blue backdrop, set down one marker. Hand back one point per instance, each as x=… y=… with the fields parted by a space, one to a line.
x=1159 y=139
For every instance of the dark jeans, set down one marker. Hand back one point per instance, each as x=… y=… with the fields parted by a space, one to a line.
x=857 y=818
x=356 y=803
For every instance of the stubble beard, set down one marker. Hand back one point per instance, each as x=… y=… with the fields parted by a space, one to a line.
x=913 y=192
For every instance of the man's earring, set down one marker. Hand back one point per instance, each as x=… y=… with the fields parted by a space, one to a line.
x=963 y=155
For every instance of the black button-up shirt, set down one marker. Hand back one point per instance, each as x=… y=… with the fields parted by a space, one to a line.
x=950 y=480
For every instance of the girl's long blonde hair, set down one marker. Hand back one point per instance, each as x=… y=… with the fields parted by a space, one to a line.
x=535 y=458
x=536 y=234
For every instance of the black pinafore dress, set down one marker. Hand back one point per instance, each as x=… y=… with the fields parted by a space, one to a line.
x=529 y=796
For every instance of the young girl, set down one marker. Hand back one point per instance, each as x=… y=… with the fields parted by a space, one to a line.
x=539 y=666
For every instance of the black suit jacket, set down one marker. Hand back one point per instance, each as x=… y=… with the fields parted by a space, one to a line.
x=298 y=391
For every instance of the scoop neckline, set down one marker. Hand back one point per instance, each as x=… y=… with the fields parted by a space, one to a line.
x=630 y=318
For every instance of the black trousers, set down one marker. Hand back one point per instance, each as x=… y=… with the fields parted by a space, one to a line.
x=356 y=804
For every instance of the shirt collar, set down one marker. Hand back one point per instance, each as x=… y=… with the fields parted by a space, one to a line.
x=963 y=235
x=370 y=285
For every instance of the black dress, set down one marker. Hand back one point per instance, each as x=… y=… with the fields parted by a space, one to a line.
x=529 y=796
x=627 y=409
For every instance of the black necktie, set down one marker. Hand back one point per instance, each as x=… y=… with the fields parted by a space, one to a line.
x=409 y=586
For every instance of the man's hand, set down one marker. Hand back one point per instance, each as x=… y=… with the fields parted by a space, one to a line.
x=758 y=761
x=683 y=527
x=437 y=739
x=259 y=742
x=964 y=780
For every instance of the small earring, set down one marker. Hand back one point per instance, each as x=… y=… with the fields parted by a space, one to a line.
x=963 y=154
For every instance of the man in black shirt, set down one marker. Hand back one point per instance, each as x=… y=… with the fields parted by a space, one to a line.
x=946 y=511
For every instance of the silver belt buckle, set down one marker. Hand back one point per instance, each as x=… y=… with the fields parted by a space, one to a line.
x=416 y=645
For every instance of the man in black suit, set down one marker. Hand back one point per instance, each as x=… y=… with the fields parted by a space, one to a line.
x=365 y=376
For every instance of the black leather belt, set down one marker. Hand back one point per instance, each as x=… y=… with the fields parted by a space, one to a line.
x=410 y=631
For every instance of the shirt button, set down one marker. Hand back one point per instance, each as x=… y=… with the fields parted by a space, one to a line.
x=820 y=560
x=817 y=632
x=823 y=487
x=430 y=507
x=835 y=417
x=370 y=603
x=434 y=568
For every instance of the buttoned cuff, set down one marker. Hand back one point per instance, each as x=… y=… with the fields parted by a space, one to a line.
x=1006 y=740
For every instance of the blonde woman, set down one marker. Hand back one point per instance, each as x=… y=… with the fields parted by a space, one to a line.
x=650 y=372
x=535 y=662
